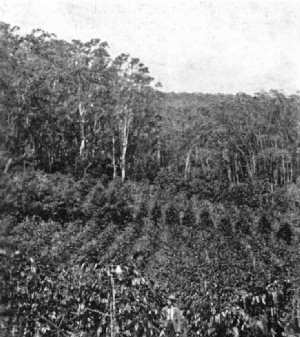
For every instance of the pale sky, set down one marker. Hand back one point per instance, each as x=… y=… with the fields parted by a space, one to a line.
x=188 y=45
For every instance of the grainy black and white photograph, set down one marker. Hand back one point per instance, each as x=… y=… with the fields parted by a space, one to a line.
x=149 y=168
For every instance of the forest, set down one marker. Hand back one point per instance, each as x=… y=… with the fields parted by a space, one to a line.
x=114 y=194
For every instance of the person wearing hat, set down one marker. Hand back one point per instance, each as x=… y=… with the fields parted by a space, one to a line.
x=171 y=319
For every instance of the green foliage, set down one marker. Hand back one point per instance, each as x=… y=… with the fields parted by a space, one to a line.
x=189 y=219
x=206 y=221
x=142 y=214
x=285 y=233
x=57 y=197
x=156 y=214
x=172 y=216
x=109 y=205
x=264 y=225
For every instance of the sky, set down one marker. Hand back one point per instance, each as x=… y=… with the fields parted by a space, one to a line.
x=188 y=45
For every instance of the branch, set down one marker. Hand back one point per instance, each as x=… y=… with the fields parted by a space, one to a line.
x=53 y=325
x=97 y=311
x=103 y=313
x=61 y=321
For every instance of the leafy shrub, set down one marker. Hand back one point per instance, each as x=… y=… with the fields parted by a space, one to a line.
x=86 y=298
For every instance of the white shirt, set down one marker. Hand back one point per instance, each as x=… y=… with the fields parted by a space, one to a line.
x=170 y=314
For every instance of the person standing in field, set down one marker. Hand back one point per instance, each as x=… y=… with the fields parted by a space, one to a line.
x=171 y=319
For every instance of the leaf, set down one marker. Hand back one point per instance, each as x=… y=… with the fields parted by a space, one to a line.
x=99 y=330
x=128 y=307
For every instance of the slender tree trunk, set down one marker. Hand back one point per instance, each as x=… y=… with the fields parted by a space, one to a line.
x=158 y=157
x=50 y=162
x=253 y=163
x=125 y=135
x=82 y=132
x=283 y=171
x=250 y=171
x=202 y=165
x=228 y=168
x=296 y=310
x=229 y=173
x=113 y=307
x=123 y=154
x=236 y=168
x=207 y=163
x=7 y=166
x=114 y=159
x=86 y=169
x=187 y=164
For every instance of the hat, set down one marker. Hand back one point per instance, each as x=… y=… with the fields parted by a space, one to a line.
x=171 y=297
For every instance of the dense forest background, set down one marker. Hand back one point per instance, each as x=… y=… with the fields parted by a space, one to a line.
x=114 y=194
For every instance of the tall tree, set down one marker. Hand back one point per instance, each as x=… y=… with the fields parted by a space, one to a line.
x=131 y=82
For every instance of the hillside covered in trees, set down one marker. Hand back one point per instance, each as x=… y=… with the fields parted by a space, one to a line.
x=114 y=194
